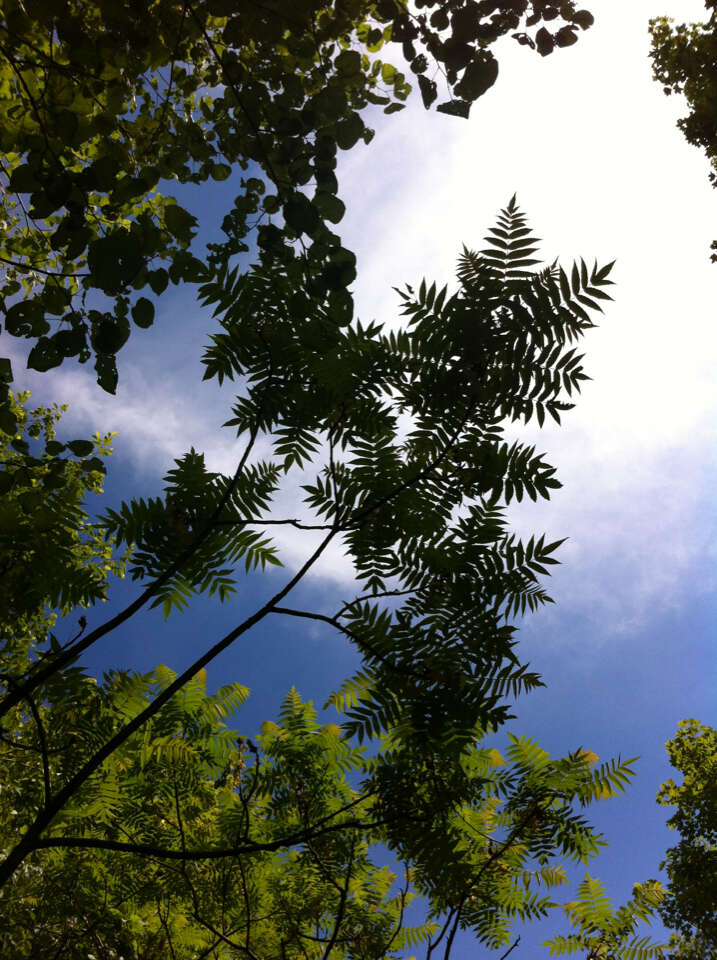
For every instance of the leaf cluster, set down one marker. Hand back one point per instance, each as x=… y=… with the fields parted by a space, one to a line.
x=691 y=865
x=684 y=61
x=53 y=558
x=397 y=440
x=229 y=846
x=103 y=106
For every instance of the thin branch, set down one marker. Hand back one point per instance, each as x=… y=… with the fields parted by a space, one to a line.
x=422 y=474
x=48 y=654
x=235 y=90
x=26 y=268
x=510 y=949
x=16 y=745
x=256 y=521
x=39 y=676
x=31 y=837
x=224 y=938
x=342 y=904
x=163 y=919
x=432 y=946
x=209 y=853
x=167 y=92
x=382 y=594
x=212 y=946
x=399 y=924
x=180 y=823
x=247 y=904
x=360 y=642
x=454 y=928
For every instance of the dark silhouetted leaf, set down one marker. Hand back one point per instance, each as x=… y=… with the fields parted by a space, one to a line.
x=143 y=313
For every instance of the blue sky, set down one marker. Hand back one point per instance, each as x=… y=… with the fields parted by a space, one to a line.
x=589 y=142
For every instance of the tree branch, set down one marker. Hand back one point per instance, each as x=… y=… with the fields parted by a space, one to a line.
x=510 y=949
x=209 y=853
x=26 y=268
x=342 y=905
x=68 y=656
x=360 y=642
x=256 y=521
x=454 y=928
x=30 y=839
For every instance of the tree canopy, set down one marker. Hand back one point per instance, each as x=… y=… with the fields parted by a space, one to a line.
x=684 y=59
x=195 y=841
x=103 y=105
x=403 y=434
x=689 y=905
x=53 y=556
x=134 y=822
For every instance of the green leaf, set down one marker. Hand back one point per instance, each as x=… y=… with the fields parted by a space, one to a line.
x=341 y=270
x=7 y=479
x=108 y=333
x=478 y=77
x=8 y=420
x=329 y=206
x=44 y=355
x=24 y=180
x=26 y=319
x=106 y=369
x=187 y=267
x=93 y=464
x=221 y=171
x=455 y=108
x=348 y=63
x=81 y=448
x=114 y=260
x=429 y=90
x=158 y=280
x=5 y=370
x=388 y=73
x=143 y=313
x=69 y=343
x=102 y=174
x=349 y=131
x=179 y=222
x=300 y=214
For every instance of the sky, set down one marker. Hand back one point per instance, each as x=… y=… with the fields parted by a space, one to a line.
x=588 y=141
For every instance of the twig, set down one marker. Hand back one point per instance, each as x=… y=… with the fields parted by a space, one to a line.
x=510 y=949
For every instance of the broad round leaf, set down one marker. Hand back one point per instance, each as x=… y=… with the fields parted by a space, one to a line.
x=143 y=313
x=221 y=171
x=300 y=214
x=44 y=356
x=179 y=222
x=329 y=206
x=81 y=448
x=114 y=260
